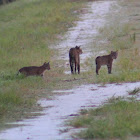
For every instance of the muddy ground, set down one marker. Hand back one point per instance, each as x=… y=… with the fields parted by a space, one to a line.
x=51 y=124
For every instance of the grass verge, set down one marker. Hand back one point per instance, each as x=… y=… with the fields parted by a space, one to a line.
x=118 y=120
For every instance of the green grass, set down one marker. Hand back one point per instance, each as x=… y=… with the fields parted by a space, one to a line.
x=126 y=68
x=27 y=29
x=117 y=120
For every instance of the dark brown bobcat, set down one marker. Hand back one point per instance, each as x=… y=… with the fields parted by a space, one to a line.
x=34 y=70
x=105 y=60
x=74 y=58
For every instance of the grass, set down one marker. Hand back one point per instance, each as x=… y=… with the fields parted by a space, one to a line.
x=122 y=37
x=27 y=29
x=117 y=120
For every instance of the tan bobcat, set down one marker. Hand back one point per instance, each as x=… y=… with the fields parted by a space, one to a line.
x=34 y=70
x=105 y=60
x=74 y=58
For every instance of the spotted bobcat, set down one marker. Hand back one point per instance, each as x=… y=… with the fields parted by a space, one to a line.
x=105 y=60
x=34 y=70
x=74 y=58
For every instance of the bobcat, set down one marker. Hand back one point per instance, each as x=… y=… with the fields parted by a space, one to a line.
x=105 y=60
x=74 y=58
x=34 y=70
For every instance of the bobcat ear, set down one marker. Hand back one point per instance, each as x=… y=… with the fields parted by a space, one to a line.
x=77 y=47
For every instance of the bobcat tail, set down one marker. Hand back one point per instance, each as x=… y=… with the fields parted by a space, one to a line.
x=96 y=59
x=96 y=62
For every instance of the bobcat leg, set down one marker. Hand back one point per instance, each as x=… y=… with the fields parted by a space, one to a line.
x=42 y=74
x=97 y=69
x=71 y=66
x=75 y=67
x=78 y=66
x=109 y=68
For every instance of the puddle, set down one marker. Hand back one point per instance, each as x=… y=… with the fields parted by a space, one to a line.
x=64 y=107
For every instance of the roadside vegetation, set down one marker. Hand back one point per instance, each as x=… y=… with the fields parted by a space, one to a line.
x=116 y=120
x=27 y=28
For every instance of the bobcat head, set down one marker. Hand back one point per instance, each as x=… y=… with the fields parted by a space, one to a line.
x=78 y=49
x=114 y=55
x=46 y=65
